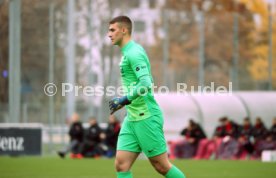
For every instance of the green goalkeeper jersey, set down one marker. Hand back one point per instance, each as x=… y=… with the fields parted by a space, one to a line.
x=137 y=82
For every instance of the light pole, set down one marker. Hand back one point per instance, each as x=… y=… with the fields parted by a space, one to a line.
x=235 y=57
x=270 y=87
x=70 y=63
x=14 y=60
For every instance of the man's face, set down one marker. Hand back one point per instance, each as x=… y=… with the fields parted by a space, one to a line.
x=93 y=122
x=116 y=33
x=223 y=122
x=75 y=118
x=246 y=122
x=112 y=119
x=258 y=121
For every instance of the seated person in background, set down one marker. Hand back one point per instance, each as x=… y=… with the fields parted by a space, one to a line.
x=229 y=146
x=230 y=128
x=111 y=134
x=265 y=140
x=187 y=147
x=92 y=139
x=259 y=129
x=273 y=129
x=259 y=134
x=76 y=138
x=264 y=145
x=245 y=144
x=207 y=148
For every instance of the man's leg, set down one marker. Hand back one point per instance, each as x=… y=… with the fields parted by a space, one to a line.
x=128 y=150
x=123 y=163
x=163 y=166
x=68 y=148
x=150 y=135
x=201 y=149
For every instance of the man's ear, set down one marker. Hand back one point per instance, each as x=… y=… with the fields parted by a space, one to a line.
x=124 y=30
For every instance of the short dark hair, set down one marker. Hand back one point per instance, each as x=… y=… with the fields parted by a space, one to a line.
x=124 y=20
x=223 y=119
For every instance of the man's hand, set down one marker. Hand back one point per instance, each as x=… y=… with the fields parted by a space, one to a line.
x=117 y=103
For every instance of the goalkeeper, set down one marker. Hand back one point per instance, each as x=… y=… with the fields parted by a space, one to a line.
x=142 y=129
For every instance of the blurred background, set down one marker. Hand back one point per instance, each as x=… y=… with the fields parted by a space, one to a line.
x=196 y=42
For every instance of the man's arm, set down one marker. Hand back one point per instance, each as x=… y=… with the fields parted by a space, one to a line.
x=139 y=66
x=143 y=86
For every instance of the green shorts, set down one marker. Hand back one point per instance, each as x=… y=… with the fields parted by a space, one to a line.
x=143 y=136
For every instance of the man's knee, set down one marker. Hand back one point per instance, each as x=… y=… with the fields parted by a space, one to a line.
x=121 y=165
x=161 y=168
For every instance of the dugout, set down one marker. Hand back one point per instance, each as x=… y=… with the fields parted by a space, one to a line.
x=207 y=108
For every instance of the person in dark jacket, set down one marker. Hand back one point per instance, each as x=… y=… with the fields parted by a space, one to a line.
x=259 y=130
x=260 y=133
x=265 y=139
x=111 y=135
x=112 y=131
x=265 y=145
x=92 y=139
x=76 y=132
x=193 y=132
x=229 y=146
x=245 y=144
x=192 y=135
x=273 y=129
x=230 y=128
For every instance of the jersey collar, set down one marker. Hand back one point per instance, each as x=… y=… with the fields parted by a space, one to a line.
x=127 y=46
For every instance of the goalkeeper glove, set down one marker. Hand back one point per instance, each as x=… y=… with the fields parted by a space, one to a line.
x=117 y=103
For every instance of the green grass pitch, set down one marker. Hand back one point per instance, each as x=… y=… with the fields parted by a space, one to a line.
x=54 y=167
